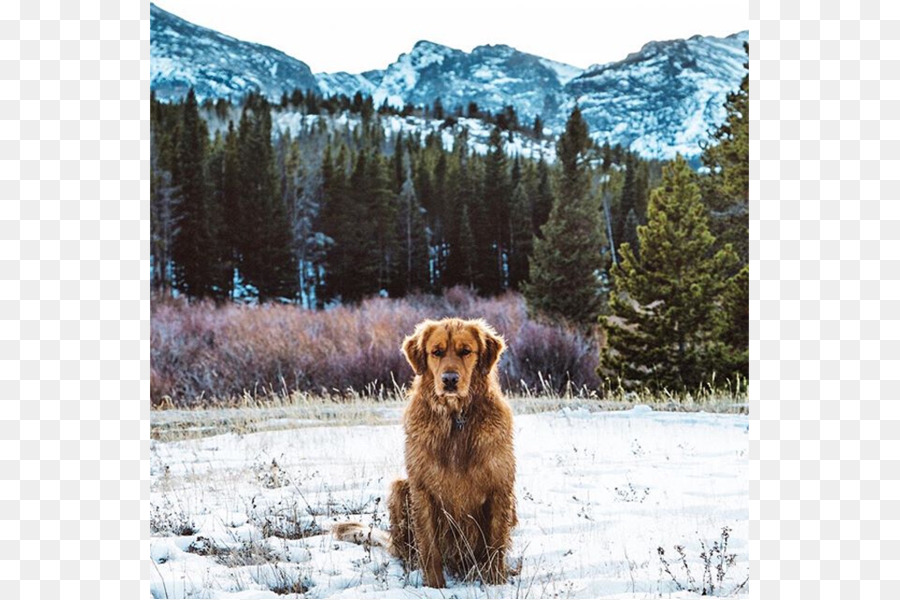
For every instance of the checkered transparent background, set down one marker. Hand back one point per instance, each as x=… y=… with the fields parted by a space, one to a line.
x=824 y=299
x=74 y=299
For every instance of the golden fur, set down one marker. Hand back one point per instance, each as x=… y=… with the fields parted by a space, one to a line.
x=457 y=507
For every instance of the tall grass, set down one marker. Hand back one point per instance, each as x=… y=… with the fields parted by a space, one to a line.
x=202 y=351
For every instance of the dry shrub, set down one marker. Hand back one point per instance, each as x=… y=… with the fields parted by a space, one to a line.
x=200 y=351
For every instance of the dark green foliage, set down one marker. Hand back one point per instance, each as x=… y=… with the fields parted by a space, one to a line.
x=491 y=219
x=734 y=325
x=665 y=304
x=521 y=237
x=162 y=218
x=194 y=245
x=538 y=128
x=543 y=198
x=462 y=256
x=231 y=205
x=566 y=266
x=726 y=190
x=267 y=260
x=412 y=272
x=339 y=212
x=632 y=202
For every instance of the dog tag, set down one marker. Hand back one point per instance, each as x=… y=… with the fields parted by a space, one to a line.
x=458 y=421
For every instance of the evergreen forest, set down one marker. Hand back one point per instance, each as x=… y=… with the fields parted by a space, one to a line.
x=649 y=256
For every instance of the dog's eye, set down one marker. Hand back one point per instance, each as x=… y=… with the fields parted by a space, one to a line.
x=438 y=352
x=465 y=352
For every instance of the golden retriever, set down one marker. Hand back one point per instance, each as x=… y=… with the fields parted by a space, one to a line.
x=457 y=508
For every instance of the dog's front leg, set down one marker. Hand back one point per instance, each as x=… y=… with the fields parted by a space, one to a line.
x=425 y=533
x=502 y=515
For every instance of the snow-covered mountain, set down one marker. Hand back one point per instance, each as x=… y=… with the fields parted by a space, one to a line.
x=490 y=76
x=663 y=99
x=183 y=55
x=658 y=101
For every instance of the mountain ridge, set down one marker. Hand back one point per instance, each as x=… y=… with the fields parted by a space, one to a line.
x=660 y=100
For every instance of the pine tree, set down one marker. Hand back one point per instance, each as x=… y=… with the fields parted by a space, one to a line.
x=726 y=192
x=726 y=189
x=464 y=258
x=627 y=201
x=565 y=268
x=381 y=208
x=492 y=230
x=231 y=234
x=664 y=305
x=462 y=188
x=195 y=234
x=268 y=261
x=335 y=222
x=219 y=253
x=162 y=218
x=734 y=327
x=413 y=264
x=543 y=199
x=521 y=235
x=538 y=127
x=439 y=220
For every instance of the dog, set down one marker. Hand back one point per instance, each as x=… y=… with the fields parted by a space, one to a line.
x=457 y=507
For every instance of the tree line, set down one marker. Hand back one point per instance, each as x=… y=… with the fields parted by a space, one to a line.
x=338 y=213
x=655 y=254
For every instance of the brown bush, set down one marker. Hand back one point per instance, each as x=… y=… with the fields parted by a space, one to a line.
x=201 y=351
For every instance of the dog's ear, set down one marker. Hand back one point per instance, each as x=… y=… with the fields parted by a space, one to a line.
x=413 y=347
x=492 y=346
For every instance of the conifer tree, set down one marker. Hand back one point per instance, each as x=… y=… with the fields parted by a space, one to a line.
x=726 y=192
x=492 y=231
x=463 y=187
x=465 y=259
x=231 y=235
x=413 y=260
x=565 y=269
x=195 y=235
x=267 y=258
x=218 y=254
x=439 y=220
x=543 y=199
x=521 y=237
x=726 y=189
x=734 y=326
x=335 y=222
x=162 y=217
x=380 y=208
x=665 y=303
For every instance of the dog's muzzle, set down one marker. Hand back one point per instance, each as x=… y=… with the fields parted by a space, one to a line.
x=450 y=381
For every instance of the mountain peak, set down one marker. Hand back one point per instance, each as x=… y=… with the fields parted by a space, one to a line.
x=662 y=99
x=429 y=45
x=184 y=56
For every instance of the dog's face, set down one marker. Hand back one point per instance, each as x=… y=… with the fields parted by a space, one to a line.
x=453 y=353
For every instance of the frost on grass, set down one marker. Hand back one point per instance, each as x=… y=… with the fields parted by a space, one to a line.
x=245 y=515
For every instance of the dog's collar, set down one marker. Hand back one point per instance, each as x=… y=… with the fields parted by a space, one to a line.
x=459 y=420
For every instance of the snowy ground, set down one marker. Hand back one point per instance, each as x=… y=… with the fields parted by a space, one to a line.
x=242 y=515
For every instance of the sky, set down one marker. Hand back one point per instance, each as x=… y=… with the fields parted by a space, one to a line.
x=355 y=35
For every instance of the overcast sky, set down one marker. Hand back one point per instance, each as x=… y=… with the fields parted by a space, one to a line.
x=355 y=35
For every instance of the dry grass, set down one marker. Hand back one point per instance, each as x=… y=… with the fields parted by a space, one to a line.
x=202 y=354
x=297 y=410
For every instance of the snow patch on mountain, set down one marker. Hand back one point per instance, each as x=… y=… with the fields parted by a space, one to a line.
x=661 y=100
x=184 y=56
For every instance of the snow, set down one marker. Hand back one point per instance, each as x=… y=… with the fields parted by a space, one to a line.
x=598 y=493
x=479 y=131
x=565 y=73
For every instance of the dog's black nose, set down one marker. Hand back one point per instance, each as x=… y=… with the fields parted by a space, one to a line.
x=450 y=380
